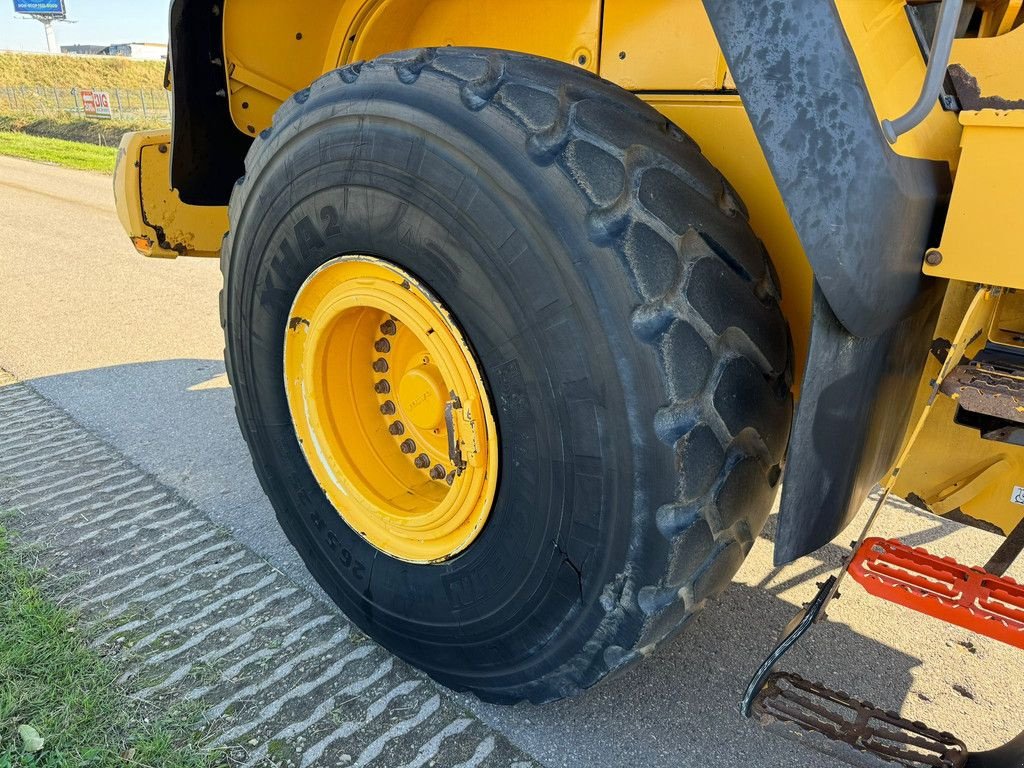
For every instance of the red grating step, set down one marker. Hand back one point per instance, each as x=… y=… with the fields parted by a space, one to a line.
x=939 y=586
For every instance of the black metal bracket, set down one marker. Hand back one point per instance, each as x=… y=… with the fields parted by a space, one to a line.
x=796 y=629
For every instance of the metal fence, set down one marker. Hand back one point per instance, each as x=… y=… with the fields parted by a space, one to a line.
x=46 y=101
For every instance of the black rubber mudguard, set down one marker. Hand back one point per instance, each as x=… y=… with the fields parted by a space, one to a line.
x=207 y=150
x=854 y=408
x=863 y=213
x=865 y=216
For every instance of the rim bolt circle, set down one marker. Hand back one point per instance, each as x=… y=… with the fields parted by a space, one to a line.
x=437 y=473
x=387 y=408
x=422 y=461
x=382 y=387
x=408 y=446
x=388 y=328
x=382 y=345
x=380 y=365
x=397 y=428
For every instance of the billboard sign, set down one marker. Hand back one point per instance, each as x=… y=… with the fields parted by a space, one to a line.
x=40 y=7
x=96 y=103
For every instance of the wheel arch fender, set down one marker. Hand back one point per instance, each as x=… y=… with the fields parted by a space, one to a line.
x=865 y=217
x=207 y=150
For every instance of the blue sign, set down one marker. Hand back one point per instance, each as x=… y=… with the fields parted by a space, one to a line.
x=40 y=7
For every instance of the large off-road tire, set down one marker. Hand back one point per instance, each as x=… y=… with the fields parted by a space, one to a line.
x=625 y=319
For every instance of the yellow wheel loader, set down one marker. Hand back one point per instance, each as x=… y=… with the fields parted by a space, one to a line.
x=519 y=297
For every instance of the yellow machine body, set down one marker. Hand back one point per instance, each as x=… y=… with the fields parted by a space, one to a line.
x=152 y=214
x=666 y=52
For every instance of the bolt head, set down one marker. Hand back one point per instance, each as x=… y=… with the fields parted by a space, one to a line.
x=933 y=258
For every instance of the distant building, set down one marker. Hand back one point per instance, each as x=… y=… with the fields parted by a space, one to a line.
x=135 y=50
x=82 y=50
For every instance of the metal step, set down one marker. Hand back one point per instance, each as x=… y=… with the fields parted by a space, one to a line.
x=942 y=588
x=788 y=698
x=986 y=387
x=989 y=394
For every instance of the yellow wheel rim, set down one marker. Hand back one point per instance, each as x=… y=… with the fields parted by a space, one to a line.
x=390 y=409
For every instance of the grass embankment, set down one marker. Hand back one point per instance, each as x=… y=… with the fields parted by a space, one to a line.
x=59 y=704
x=71 y=154
x=102 y=132
x=65 y=72
x=89 y=145
x=102 y=72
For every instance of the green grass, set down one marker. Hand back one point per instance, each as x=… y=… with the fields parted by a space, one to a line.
x=103 y=132
x=72 y=154
x=51 y=682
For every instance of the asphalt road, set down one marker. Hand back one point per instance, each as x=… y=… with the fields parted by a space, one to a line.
x=131 y=348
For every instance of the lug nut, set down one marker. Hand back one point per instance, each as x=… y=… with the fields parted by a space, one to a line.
x=407 y=446
x=388 y=328
x=387 y=408
x=437 y=473
x=397 y=428
x=382 y=387
x=451 y=477
x=422 y=461
x=380 y=365
x=382 y=345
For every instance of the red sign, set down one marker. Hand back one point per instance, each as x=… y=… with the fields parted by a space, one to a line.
x=96 y=103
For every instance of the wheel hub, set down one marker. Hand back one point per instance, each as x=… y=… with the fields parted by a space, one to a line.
x=390 y=409
x=421 y=396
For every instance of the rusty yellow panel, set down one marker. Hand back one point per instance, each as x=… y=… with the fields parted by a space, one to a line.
x=152 y=215
x=950 y=467
x=660 y=45
x=983 y=238
x=720 y=125
x=989 y=70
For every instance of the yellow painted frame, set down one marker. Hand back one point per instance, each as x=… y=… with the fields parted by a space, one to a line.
x=152 y=214
x=984 y=232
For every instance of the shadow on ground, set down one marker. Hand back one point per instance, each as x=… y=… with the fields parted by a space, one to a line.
x=175 y=419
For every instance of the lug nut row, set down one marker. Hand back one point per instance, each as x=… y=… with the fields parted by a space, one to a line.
x=388 y=407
